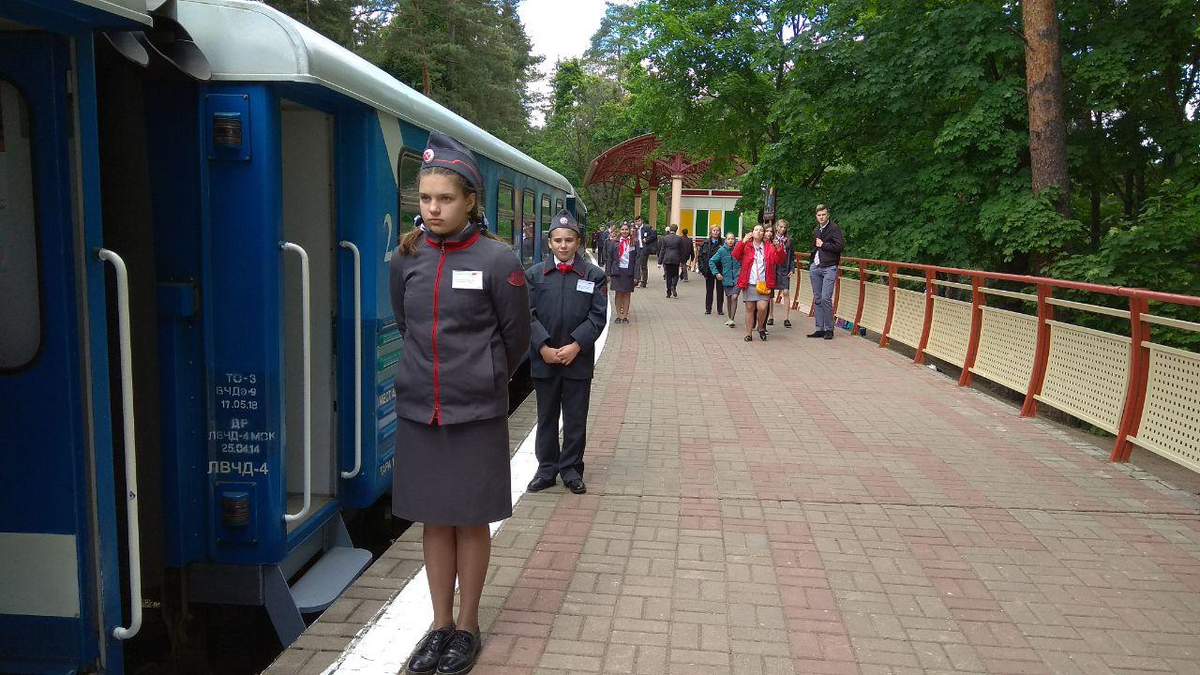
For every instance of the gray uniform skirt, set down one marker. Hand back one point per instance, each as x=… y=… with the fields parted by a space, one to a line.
x=622 y=283
x=453 y=474
x=750 y=294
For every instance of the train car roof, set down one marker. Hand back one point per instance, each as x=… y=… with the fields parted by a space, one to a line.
x=250 y=41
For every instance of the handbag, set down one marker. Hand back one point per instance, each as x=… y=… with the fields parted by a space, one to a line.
x=761 y=287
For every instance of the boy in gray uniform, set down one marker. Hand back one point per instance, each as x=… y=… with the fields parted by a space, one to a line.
x=568 y=301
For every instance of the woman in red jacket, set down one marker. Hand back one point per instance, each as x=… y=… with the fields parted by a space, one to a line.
x=758 y=256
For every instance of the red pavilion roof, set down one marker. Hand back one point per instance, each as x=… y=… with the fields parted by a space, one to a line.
x=632 y=159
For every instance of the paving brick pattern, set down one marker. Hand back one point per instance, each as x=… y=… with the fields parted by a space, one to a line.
x=803 y=506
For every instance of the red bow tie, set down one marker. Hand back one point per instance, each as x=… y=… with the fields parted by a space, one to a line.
x=564 y=268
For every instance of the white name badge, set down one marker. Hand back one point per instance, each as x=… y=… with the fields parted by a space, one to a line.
x=585 y=286
x=468 y=280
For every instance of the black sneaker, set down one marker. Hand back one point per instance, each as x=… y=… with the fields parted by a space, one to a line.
x=817 y=334
x=770 y=322
x=787 y=323
x=428 y=653
x=460 y=654
x=828 y=335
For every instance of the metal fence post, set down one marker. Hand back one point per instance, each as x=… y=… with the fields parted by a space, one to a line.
x=1041 y=354
x=1139 y=375
x=893 y=270
x=927 y=321
x=977 y=302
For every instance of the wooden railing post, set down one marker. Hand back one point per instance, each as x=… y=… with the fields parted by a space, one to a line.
x=978 y=299
x=1041 y=353
x=1139 y=374
x=893 y=270
x=862 y=293
x=927 y=322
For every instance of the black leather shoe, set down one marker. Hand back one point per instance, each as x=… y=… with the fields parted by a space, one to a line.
x=461 y=652
x=428 y=654
x=721 y=312
x=538 y=484
x=817 y=334
x=828 y=335
x=576 y=485
x=708 y=311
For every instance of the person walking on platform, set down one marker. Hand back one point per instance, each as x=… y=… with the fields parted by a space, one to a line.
x=462 y=306
x=647 y=241
x=620 y=264
x=670 y=254
x=568 y=300
x=828 y=242
x=599 y=243
x=759 y=256
x=726 y=269
x=783 y=274
x=707 y=250
x=689 y=254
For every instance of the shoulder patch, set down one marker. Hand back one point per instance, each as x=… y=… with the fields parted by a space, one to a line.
x=516 y=278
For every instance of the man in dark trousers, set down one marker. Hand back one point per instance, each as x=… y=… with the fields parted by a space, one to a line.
x=670 y=255
x=707 y=250
x=568 y=301
x=828 y=242
x=647 y=239
x=599 y=243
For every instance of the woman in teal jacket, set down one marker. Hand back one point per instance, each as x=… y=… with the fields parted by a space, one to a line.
x=726 y=269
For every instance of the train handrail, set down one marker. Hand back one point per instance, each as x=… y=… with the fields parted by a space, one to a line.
x=1126 y=420
x=128 y=431
x=357 y=360
x=306 y=390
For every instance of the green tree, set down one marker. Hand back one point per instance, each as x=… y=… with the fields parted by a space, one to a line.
x=472 y=56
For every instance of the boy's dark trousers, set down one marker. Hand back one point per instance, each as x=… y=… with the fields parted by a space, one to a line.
x=571 y=398
x=712 y=284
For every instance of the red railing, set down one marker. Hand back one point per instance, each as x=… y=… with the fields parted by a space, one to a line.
x=1074 y=344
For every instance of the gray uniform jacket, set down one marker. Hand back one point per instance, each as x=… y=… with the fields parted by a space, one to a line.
x=566 y=308
x=670 y=249
x=462 y=306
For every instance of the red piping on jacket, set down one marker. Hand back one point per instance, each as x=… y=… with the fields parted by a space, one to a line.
x=437 y=284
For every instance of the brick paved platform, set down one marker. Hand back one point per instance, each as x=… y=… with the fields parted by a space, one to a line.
x=803 y=506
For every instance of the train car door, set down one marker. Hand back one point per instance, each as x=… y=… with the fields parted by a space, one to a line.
x=60 y=577
x=306 y=137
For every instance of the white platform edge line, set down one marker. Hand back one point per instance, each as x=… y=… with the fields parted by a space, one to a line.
x=384 y=643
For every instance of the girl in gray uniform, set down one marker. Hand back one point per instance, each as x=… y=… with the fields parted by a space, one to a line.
x=620 y=264
x=462 y=305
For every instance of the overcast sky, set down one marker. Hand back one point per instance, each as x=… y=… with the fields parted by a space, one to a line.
x=559 y=29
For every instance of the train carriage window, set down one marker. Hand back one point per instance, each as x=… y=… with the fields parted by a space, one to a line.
x=407 y=191
x=546 y=216
x=506 y=214
x=528 y=223
x=20 y=292
x=558 y=206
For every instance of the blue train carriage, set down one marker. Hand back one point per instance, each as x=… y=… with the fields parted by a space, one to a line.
x=246 y=180
x=62 y=428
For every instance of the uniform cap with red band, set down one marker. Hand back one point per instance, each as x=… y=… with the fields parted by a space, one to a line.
x=565 y=219
x=446 y=153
